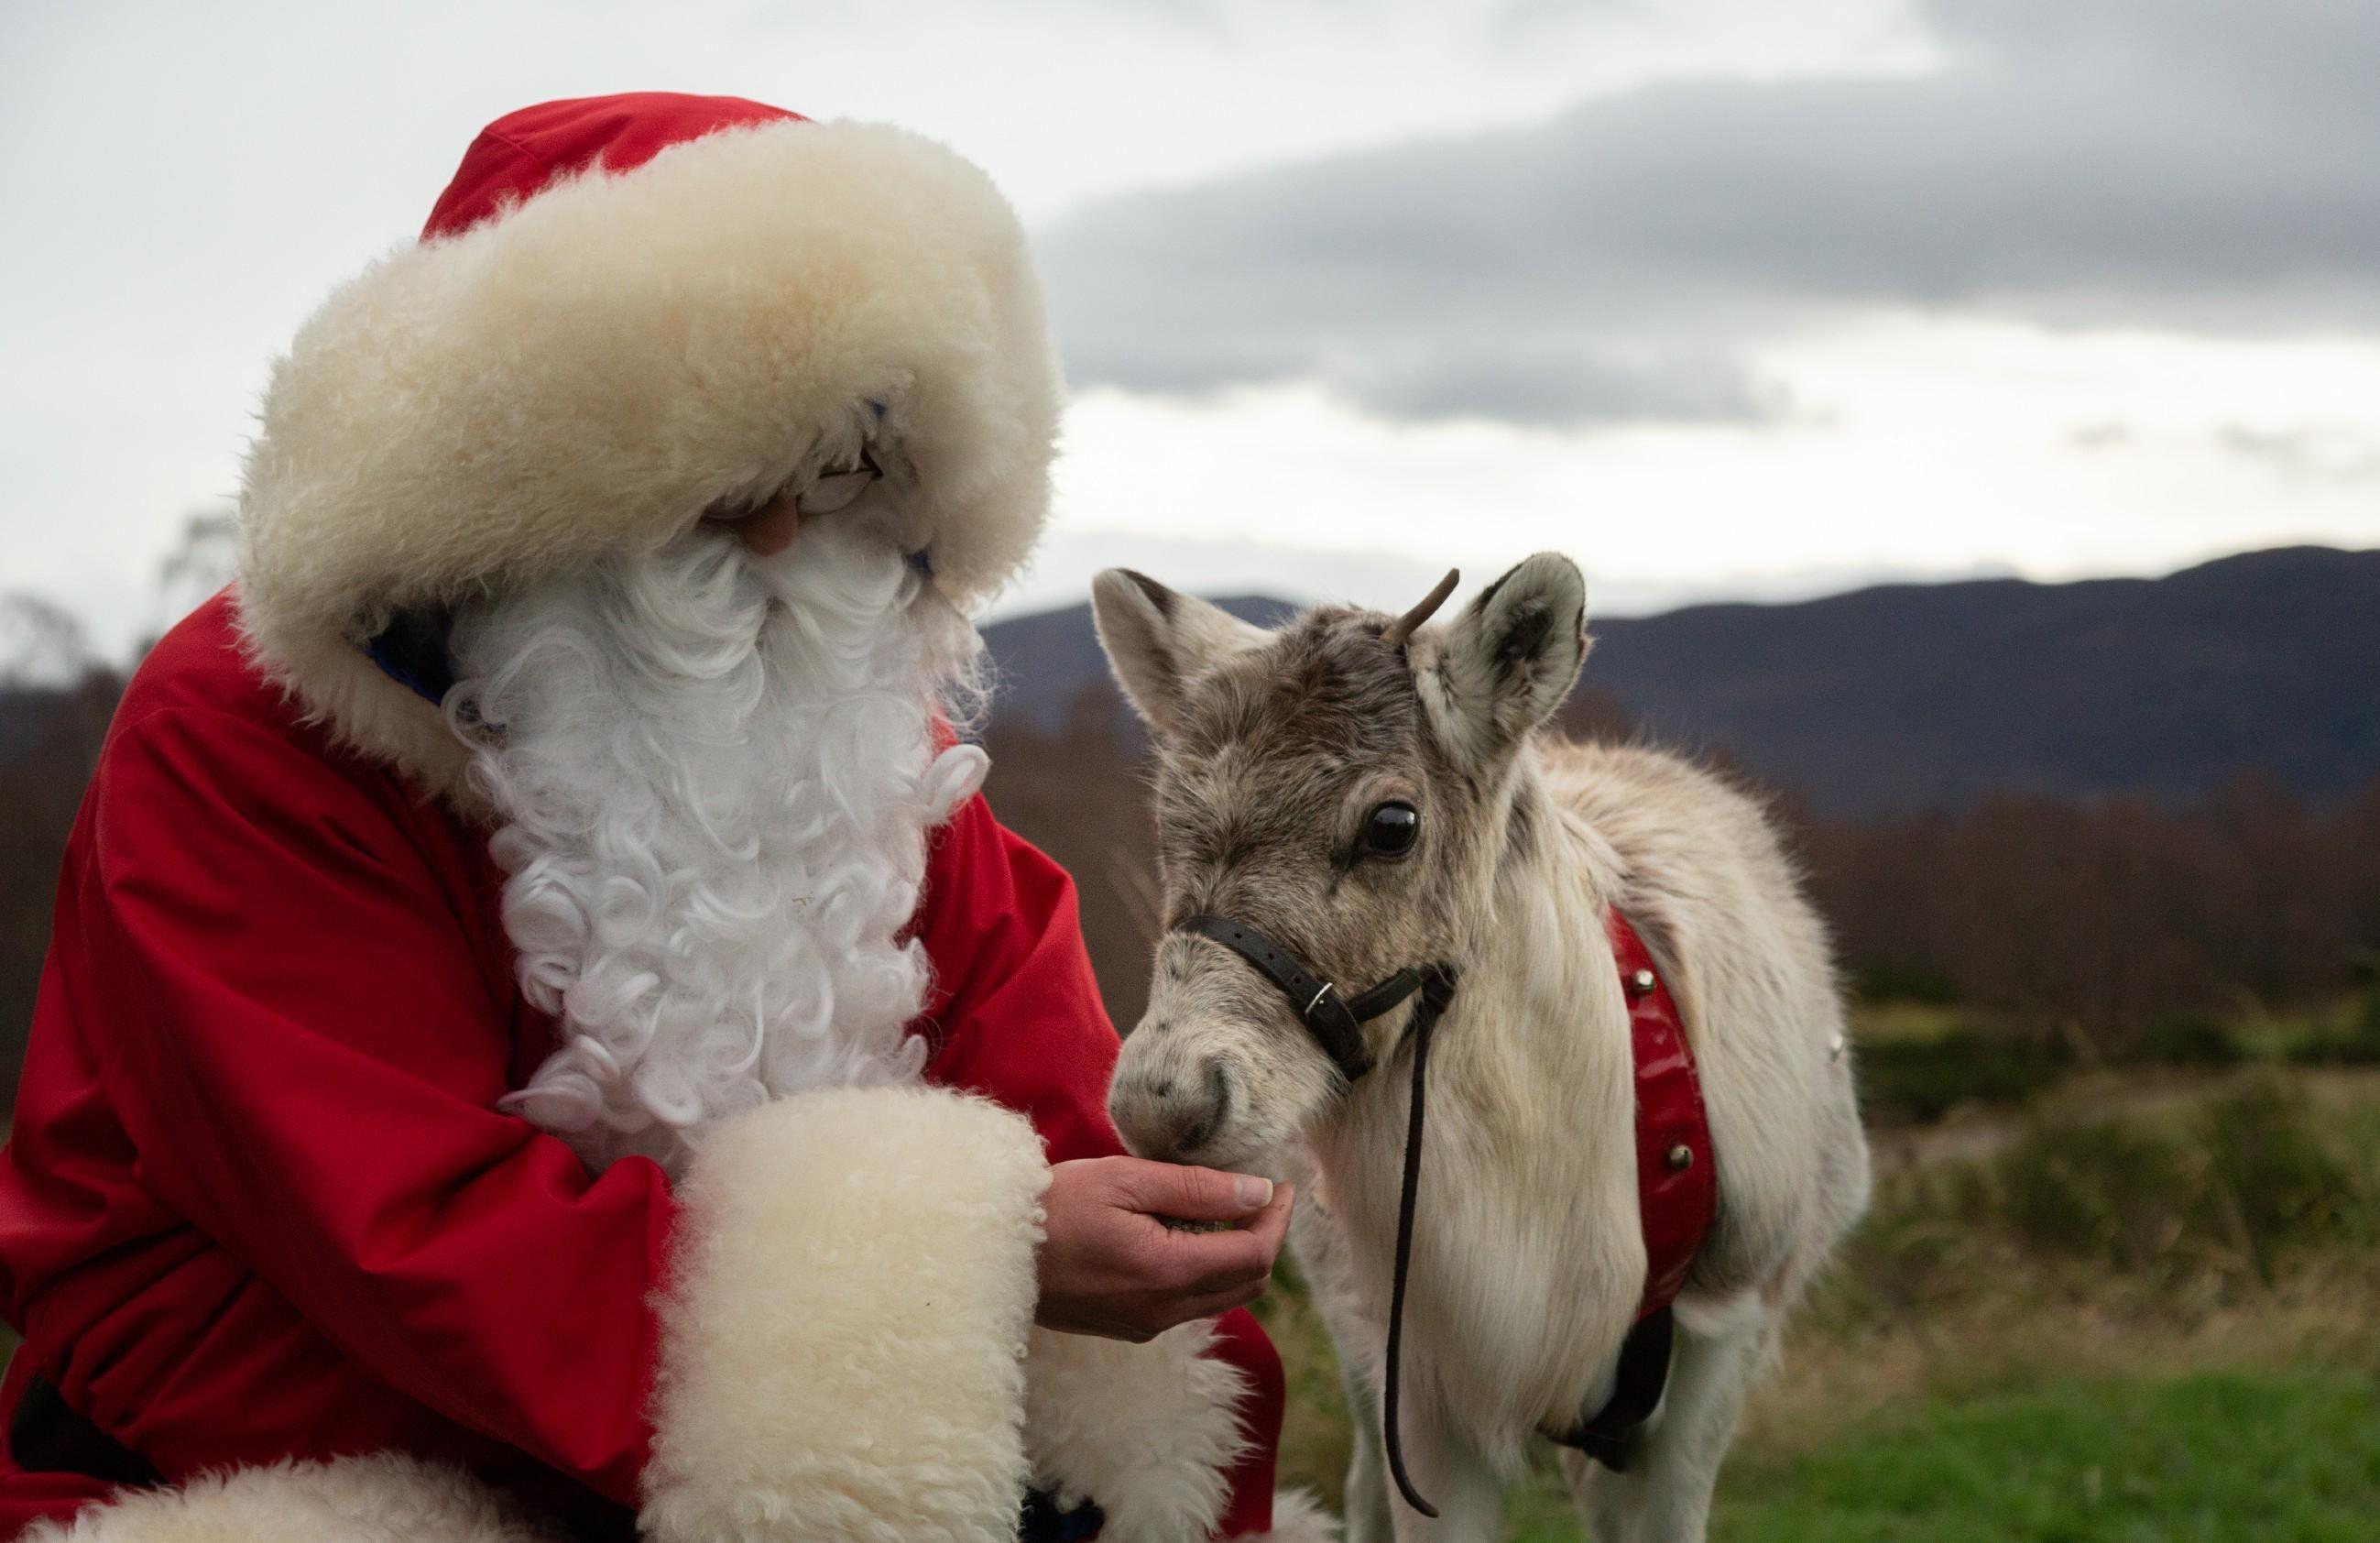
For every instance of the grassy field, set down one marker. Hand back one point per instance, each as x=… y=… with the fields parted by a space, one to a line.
x=2152 y=1324
x=2217 y=1456
x=2293 y=1457
x=2117 y=1304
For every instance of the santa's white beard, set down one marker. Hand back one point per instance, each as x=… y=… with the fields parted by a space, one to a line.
x=717 y=774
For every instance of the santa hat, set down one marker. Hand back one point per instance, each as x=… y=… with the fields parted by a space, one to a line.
x=626 y=311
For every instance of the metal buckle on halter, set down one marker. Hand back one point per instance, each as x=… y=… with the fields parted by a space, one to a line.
x=1328 y=988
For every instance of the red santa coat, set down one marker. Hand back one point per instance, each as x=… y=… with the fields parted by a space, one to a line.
x=256 y=1202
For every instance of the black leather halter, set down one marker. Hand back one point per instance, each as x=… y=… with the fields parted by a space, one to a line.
x=1336 y=1023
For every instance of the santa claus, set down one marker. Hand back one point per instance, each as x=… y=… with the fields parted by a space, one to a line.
x=543 y=1036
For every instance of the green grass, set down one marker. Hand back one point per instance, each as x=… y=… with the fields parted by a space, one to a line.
x=2286 y=1456
x=2154 y=1327
x=2150 y=1326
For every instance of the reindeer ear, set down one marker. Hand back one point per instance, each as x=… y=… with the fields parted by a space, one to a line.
x=1501 y=667
x=1157 y=641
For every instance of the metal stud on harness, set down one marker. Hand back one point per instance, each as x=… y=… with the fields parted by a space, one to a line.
x=1676 y=1186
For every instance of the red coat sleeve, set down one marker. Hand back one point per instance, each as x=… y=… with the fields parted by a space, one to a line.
x=1016 y=1012
x=1016 y=1015
x=306 y=1052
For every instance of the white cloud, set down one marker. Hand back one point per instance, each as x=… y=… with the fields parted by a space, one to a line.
x=185 y=183
x=2191 y=164
x=1931 y=449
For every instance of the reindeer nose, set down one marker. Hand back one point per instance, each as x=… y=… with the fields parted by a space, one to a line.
x=1167 y=1116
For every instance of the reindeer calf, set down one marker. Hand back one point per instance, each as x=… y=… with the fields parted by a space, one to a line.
x=1372 y=794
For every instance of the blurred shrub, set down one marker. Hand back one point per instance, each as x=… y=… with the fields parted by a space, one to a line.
x=2211 y=1198
x=2193 y=1041
x=1887 y=983
x=2351 y=1039
x=2113 y=1192
x=1906 y=1081
x=1918 y=1062
x=2288 y=1172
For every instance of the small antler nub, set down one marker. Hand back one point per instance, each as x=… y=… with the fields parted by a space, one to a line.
x=1396 y=632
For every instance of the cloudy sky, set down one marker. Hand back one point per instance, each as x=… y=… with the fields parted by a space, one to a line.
x=1723 y=297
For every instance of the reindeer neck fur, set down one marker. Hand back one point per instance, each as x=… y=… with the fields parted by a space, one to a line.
x=1527 y=1255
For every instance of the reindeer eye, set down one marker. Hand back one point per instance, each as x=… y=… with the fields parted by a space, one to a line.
x=1392 y=830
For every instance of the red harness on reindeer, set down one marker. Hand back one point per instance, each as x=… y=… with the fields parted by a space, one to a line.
x=1676 y=1188
x=1677 y=1194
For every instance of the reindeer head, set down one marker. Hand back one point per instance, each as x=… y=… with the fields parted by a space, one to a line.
x=1346 y=785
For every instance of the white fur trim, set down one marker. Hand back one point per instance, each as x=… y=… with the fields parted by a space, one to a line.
x=381 y=1499
x=1145 y=1429
x=597 y=366
x=844 y=1340
x=1298 y=1517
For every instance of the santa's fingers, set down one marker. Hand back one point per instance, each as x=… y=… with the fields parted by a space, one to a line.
x=1176 y=1192
x=1199 y=1262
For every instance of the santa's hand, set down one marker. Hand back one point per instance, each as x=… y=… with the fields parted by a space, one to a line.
x=1110 y=1265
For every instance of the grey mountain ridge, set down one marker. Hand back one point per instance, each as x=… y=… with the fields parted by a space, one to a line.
x=1907 y=696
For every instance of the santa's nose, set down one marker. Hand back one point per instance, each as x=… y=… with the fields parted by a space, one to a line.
x=771 y=527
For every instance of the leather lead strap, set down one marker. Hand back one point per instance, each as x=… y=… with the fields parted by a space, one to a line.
x=1337 y=1027
x=1437 y=990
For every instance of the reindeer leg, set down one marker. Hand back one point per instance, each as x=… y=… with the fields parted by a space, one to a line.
x=1453 y=1475
x=1368 y=1493
x=1665 y=1497
x=1319 y=1244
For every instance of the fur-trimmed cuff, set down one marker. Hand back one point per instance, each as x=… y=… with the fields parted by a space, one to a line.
x=847 y=1354
x=843 y=1339
x=383 y=1496
x=1145 y=1431
x=1150 y=1433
